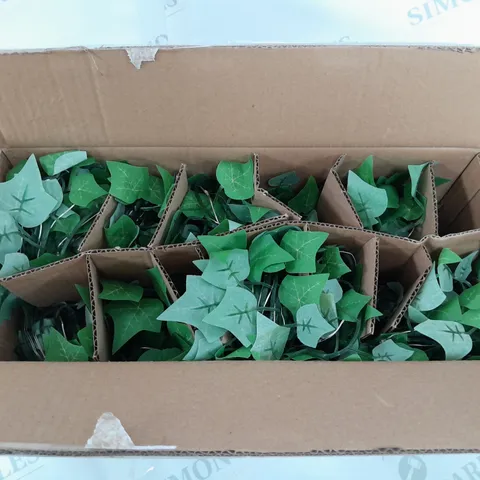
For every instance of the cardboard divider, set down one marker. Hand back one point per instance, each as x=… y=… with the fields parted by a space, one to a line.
x=459 y=209
x=405 y=261
x=461 y=243
x=337 y=207
x=261 y=198
x=5 y=166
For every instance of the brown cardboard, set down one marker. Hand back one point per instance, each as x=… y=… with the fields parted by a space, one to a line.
x=460 y=243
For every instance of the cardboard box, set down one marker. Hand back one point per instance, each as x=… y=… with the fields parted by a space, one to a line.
x=296 y=108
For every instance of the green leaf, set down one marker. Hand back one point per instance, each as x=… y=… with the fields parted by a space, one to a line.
x=445 y=278
x=265 y=252
x=56 y=163
x=10 y=239
x=311 y=325
x=84 y=190
x=470 y=298
x=84 y=293
x=287 y=179
x=248 y=213
x=85 y=337
x=334 y=264
x=449 y=310
x=295 y=292
x=17 y=168
x=45 y=259
x=122 y=233
x=65 y=220
x=154 y=193
x=59 y=349
x=440 y=181
x=226 y=242
x=372 y=312
x=159 y=285
x=242 y=352
x=416 y=316
x=117 y=290
x=182 y=334
x=195 y=205
x=225 y=226
x=389 y=351
x=130 y=318
x=471 y=318
x=430 y=295
x=237 y=179
x=351 y=304
x=448 y=256
x=369 y=202
x=8 y=302
x=202 y=349
x=54 y=189
x=306 y=199
x=128 y=182
x=450 y=335
x=236 y=313
x=365 y=171
x=303 y=247
x=270 y=340
x=227 y=268
x=165 y=355
x=333 y=286
x=25 y=198
x=393 y=199
x=201 y=264
x=167 y=178
x=415 y=172
x=410 y=209
x=199 y=299
x=464 y=268
x=14 y=263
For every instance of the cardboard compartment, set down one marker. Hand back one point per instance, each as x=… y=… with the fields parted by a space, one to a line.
x=337 y=206
x=44 y=287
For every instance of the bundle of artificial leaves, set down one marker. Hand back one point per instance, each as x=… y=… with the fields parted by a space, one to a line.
x=217 y=205
x=62 y=332
x=141 y=200
x=390 y=204
x=443 y=320
x=304 y=201
x=131 y=312
x=286 y=296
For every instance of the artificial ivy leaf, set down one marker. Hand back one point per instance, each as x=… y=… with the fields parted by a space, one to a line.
x=17 y=168
x=415 y=172
x=430 y=295
x=14 y=263
x=389 y=351
x=54 y=189
x=117 y=290
x=270 y=340
x=372 y=312
x=165 y=355
x=84 y=190
x=159 y=284
x=303 y=247
x=295 y=292
x=471 y=318
x=287 y=179
x=199 y=299
x=393 y=199
x=201 y=264
x=24 y=197
x=441 y=181
x=167 y=178
x=227 y=268
x=236 y=313
x=45 y=259
x=277 y=267
x=128 y=182
x=334 y=264
x=449 y=310
x=365 y=171
x=470 y=298
x=194 y=205
x=236 y=179
x=8 y=302
x=10 y=239
x=182 y=334
x=306 y=199
x=122 y=233
x=242 y=352
x=333 y=286
x=202 y=349
x=410 y=209
x=264 y=252
x=248 y=213
x=369 y=202
x=226 y=242
x=351 y=304
x=85 y=337
x=416 y=316
x=84 y=293
x=59 y=349
x=225 y=226
x=450 y=335
x=445 y=278
x=448 y=256
x=154 y=192
x=65 y=220
x=311 y=325
x=312 y=216
x=464 y=268
x=56 y=163
x=130 y=318
x=328 y=307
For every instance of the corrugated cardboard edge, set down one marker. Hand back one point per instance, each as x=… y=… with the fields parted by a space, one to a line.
x=5 y=166
x=428 y=189
x=171 y=289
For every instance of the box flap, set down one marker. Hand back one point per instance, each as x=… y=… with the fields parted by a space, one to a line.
x=303 y=96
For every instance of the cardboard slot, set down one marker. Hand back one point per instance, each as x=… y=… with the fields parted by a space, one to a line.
x=338 y=208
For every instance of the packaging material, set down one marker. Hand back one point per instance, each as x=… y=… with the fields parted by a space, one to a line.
x=298 y=110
